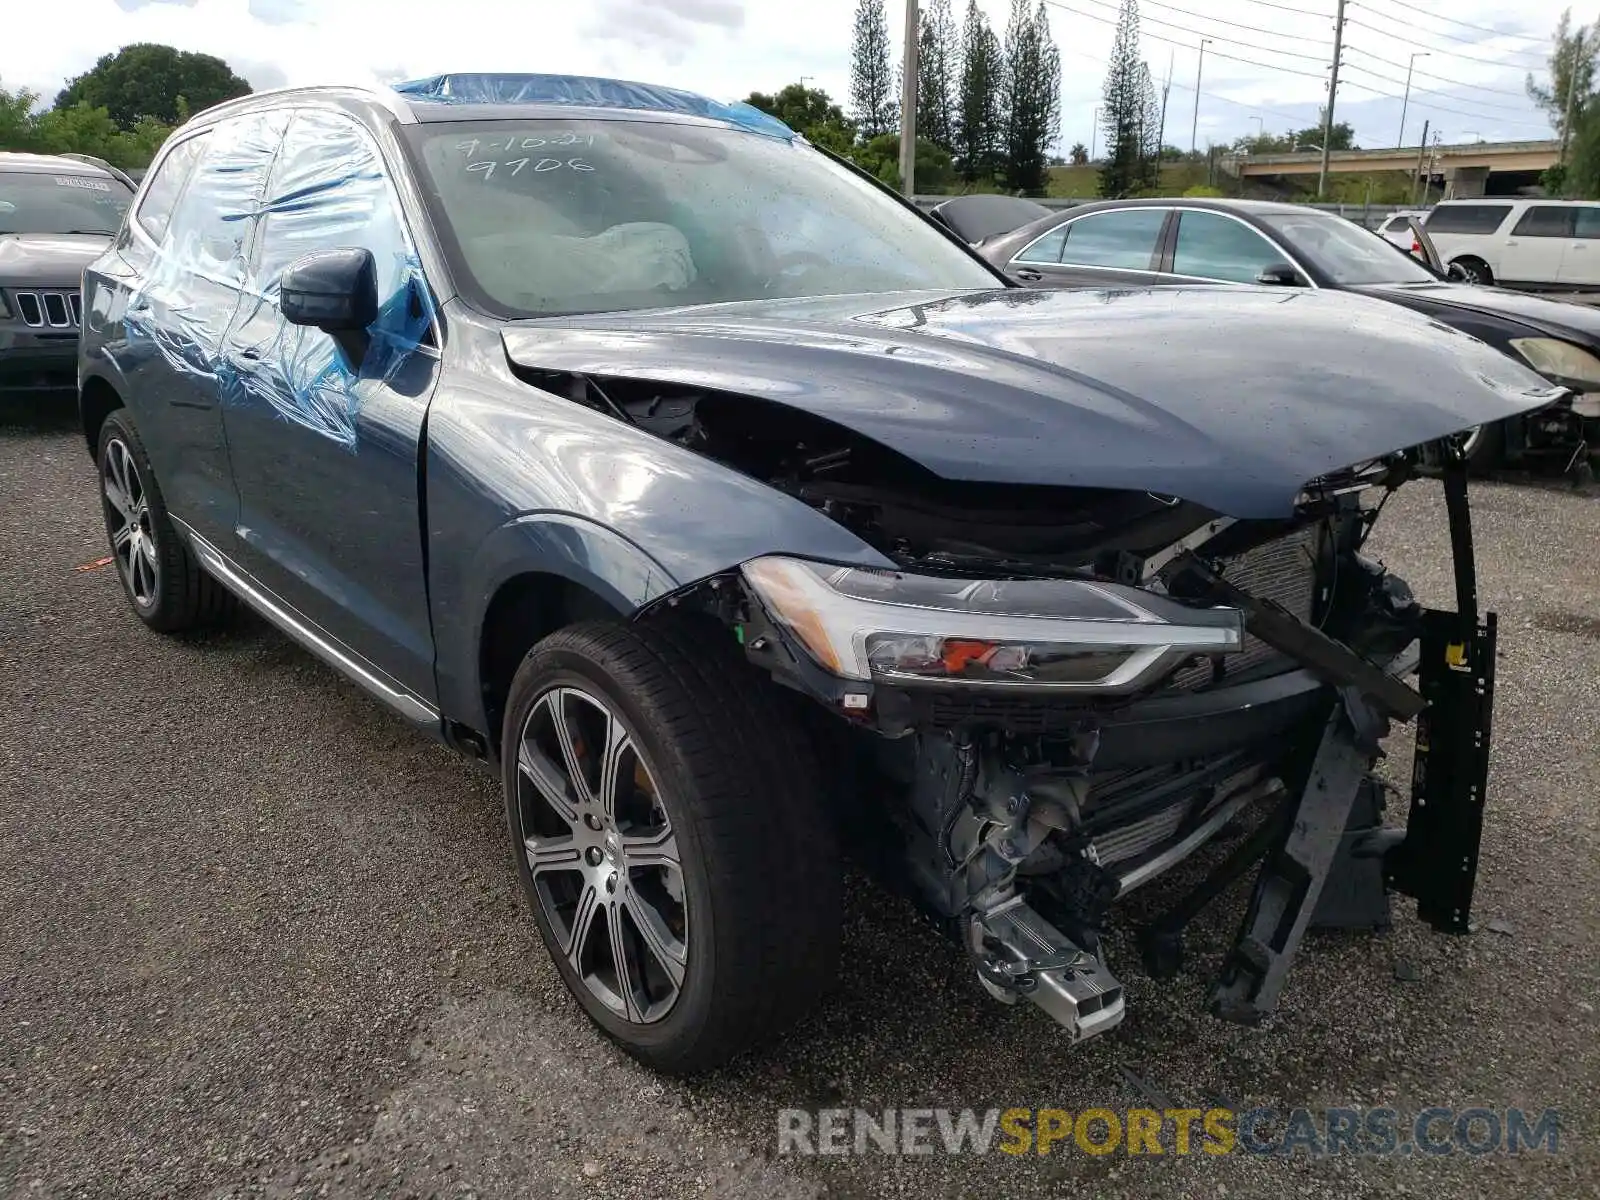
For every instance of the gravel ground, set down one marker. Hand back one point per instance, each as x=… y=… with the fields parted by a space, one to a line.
x=258 y=939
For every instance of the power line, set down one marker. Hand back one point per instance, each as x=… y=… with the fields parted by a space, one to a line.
x=1316 y=58
x=1523 y=37
x=1433 y=92
x=1285 y=8
x=1478 y=87
x=1260 y=108
x=1454 y=110
x=1249 y=62
x=1293 y=37
x=1409 y=36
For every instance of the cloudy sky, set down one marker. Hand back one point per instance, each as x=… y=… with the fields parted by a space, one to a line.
x=1265 y=65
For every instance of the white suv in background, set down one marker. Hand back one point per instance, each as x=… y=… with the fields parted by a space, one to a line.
x=1532 y=243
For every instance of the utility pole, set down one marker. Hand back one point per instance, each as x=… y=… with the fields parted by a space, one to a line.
x=1194 y=130
x=1422 y=151
x=908 y=103
x=1166 y=90
x=1574 y=59
x=1333 y=91
x=1406 y=103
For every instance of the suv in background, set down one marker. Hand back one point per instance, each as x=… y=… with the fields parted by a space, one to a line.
x=57 y=213
x=1519 y=242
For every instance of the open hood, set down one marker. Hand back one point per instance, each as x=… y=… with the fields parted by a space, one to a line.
x=1233 y=398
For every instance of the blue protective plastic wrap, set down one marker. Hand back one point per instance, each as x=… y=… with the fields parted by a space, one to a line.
x=588 y=91
x=286 y=188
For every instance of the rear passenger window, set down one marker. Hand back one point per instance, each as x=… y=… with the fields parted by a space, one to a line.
x=1547 y=220
x=1466 y=218
x=1124 y=241
x=212 y=221
x=1589 y=221
x=155 y=210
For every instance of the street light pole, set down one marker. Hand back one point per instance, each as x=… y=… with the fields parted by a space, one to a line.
x=1194 y=129
x=1406 y=103
x=1094 y=134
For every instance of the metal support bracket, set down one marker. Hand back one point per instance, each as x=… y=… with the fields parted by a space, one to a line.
x=1437 y=862
x=1292 y=877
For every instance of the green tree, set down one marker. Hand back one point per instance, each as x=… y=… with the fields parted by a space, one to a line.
x=1122 y=109
x=1079 y=154
x=1032 y=98
x=147 y=80
x=811 y=112
x=978 y=116
x=16 y=119
x=881 y=156
x=937 y=76
x=871 y=75
x=1340 y=137
x=1571 y=74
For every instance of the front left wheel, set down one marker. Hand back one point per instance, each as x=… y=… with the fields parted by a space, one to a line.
x=670 y=836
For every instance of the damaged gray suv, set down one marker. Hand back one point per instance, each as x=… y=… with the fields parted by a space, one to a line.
x=741 y=515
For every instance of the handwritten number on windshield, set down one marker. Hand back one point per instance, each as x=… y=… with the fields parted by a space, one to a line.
x=487 y=167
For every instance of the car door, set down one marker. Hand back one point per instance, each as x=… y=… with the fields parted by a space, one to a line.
x=1110 y=247
x=325 y=450
x=1580 y=266
x=1538 y=243
x=1221 y=248
x=187 y=262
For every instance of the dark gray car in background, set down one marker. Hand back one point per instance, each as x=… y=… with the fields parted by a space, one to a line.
x=729 y=506
x=1140 y=243
x=57 y=214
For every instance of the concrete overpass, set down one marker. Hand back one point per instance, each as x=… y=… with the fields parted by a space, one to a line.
x=1475 y=169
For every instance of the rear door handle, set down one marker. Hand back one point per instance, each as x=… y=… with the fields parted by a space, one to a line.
x=1028 y=274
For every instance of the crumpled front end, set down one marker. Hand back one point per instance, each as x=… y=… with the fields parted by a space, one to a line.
x=1053 y=717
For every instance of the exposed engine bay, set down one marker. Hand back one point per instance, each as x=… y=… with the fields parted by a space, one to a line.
x=1018 y=788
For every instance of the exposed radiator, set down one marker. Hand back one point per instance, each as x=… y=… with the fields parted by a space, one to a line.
x=1283 y=571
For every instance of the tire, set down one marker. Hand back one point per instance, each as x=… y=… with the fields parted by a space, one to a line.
x=1475 y=270
x=753 y=926
x=1484 y=447
x=166 y=588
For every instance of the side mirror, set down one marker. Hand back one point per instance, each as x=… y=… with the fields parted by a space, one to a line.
x=1456 y=273
x=1279 y=275
x=333 y=290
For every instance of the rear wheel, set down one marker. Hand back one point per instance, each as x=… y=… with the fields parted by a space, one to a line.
x=670 y=836
x=1474 y=270
x=165 y=586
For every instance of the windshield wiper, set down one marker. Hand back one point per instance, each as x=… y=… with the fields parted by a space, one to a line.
x=107 y=232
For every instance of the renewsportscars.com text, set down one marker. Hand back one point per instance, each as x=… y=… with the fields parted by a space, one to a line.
x=1373 y=1132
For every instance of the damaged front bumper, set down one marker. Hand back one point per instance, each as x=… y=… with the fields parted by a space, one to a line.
x=1019 y=819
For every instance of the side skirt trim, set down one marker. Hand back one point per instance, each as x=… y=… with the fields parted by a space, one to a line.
x=401 y=699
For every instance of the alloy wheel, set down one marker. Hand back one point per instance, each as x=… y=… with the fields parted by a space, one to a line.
x=133 y=540
x=602 y=853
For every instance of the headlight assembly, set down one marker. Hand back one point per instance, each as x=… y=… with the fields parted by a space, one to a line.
x=1559 y=360
x=1055 y=634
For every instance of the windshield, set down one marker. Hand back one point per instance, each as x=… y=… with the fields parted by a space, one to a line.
x=1346 y=253
x=48 y=203
x=555 y=217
